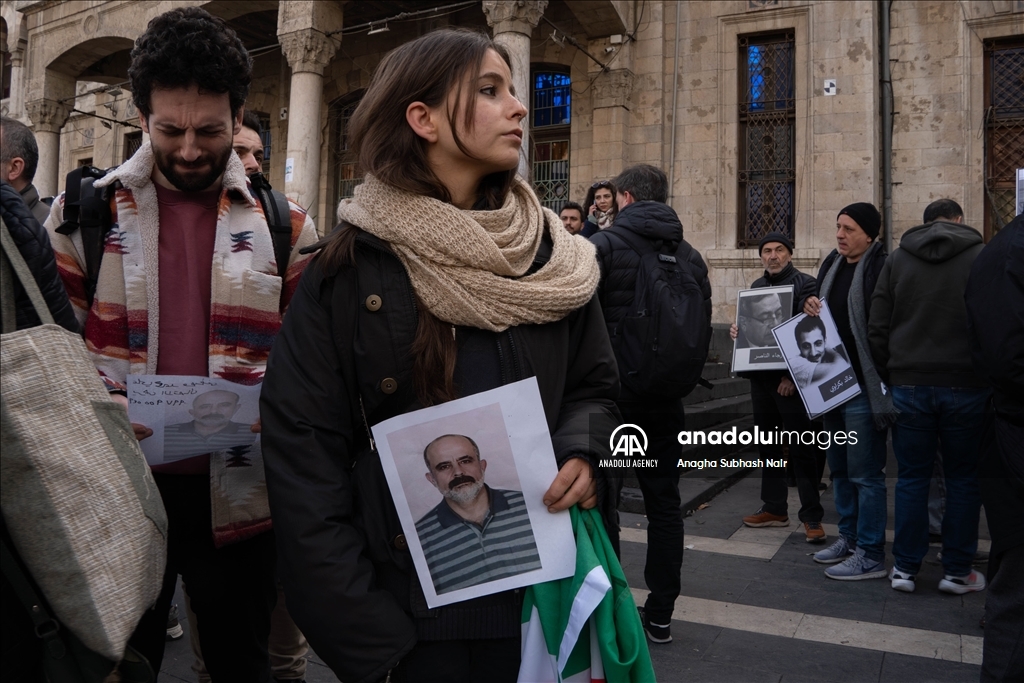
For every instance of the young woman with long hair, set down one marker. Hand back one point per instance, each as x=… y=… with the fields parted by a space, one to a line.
x=445 y=278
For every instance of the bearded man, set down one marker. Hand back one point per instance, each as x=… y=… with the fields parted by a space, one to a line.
x=189 y=284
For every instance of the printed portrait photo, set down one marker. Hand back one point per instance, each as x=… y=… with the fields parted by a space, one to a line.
x=757 y=312
x=192 y=416
x=818 y=361
x=468 y=479
x=471 y=517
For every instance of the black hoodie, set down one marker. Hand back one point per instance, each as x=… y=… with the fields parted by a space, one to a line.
x=918 y=322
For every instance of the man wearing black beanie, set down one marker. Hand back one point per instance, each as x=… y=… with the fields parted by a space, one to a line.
x=847 y=280
x=777 y=405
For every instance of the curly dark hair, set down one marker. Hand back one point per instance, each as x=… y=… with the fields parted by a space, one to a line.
x=189 y=46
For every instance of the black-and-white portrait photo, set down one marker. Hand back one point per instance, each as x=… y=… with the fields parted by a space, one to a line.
x=192 y=416
x=818 y=361
x=211 y=428
x=757 y=312
x=468 y=479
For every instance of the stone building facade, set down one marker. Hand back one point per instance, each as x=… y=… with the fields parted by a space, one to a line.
x=765 y=114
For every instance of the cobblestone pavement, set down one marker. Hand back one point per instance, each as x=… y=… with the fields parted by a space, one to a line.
x=755 y=607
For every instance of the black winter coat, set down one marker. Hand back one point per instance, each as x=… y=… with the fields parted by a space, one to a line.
x=872 y=268
x=34 y=245
x=348 y=575
x=659 y=224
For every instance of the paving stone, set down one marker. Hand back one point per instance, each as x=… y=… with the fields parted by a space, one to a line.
x=688 y=671
x=906 y=669
x=801 y=659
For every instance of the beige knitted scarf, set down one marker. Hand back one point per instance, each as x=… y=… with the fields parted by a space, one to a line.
x=468 y=267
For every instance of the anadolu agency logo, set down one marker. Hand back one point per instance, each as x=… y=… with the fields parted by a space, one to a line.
x=628 y=444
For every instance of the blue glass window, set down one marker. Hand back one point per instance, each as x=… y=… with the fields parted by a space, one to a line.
x=552 y=99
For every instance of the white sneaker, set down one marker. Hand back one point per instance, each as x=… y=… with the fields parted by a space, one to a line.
x=958 y=585
x=902 y=581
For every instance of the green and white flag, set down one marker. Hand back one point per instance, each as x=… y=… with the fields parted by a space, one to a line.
x=585 y=628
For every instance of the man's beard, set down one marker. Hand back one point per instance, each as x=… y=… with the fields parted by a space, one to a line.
x=464 y=494
x=192 y=182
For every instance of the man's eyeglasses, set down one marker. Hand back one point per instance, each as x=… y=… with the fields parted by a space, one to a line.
x=768 y=318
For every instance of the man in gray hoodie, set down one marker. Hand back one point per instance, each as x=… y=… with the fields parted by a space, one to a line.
x=918 y=336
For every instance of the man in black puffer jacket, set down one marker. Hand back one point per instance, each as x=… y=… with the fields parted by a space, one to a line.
x=641 y=194
x=34 y=245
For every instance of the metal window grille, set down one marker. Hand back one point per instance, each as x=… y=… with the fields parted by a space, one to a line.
x=266 y=139
x=344 y=172
x=551 y=172
x=767 y=109
x=550 y=117
x=132 y=142
x=1004 y=129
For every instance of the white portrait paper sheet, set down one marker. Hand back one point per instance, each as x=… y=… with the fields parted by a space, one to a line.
x=751 y=350
x=818 y=361
x=191 y=416
x=510 y=430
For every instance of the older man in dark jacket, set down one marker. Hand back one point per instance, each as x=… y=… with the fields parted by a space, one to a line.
x=777 y=405
x=641 y=194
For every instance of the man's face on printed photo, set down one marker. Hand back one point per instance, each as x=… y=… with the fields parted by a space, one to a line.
x=455 y=468
x=191 y=133
x=213 y=410
x=765 y=313
x=812 y=345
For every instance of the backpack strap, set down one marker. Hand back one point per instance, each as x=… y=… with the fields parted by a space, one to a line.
x=279 y=219
x=87 y=208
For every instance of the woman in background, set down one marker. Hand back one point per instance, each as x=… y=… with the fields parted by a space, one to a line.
x=600 y=207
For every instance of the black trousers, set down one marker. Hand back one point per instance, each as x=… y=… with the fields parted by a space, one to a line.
x=232 y=589
x=662 y=421
x=773 y=411
x=460 y=661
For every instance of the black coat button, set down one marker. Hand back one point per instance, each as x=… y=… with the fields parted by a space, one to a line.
x=400 y=542
x=388 y=385
x=373 y=302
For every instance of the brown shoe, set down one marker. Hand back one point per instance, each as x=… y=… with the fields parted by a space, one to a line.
x=762 y=518
x=813 y=533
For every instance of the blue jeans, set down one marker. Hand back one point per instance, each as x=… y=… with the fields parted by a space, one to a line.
x=955 y=417
x=858 y=481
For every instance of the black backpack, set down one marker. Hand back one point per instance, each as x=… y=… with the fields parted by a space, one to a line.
x=87 y=208
x=662 y=343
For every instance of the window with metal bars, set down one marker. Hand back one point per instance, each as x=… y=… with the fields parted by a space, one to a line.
x=132 y=142
x=549 y=133
x=767 y=109
x=343 y=168
x=1004 y=129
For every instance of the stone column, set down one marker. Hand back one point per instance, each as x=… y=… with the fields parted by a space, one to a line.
x=17 y=101
x=513 y=22
x=308 y=52
x=48 y=117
